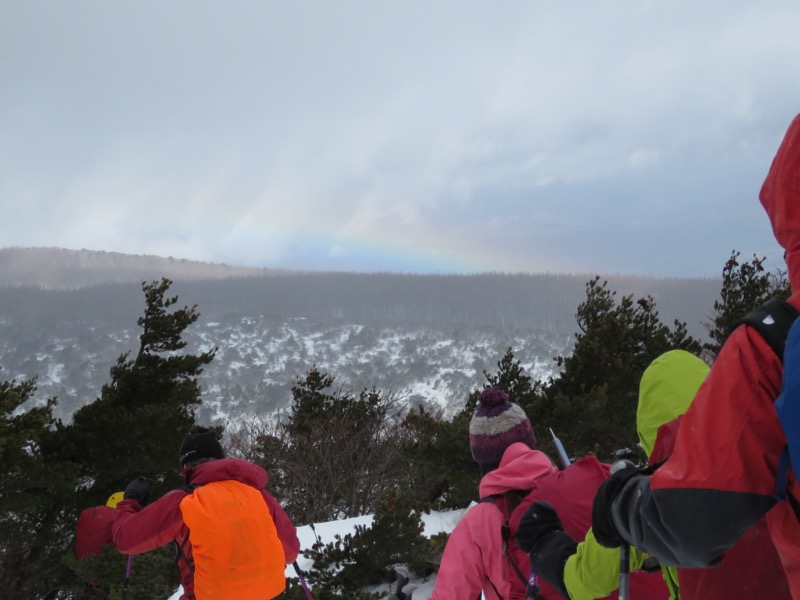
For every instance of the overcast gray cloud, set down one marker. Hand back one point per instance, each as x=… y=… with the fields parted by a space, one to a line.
x=612 y=137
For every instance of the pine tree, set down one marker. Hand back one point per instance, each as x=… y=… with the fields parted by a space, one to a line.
x=745 y=286
x=136 y=426
x=439 y=466
x=592 y=404
x=352 y=563
x=33 y=484
x=512 y=379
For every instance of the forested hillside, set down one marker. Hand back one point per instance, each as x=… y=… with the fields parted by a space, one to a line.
x=337 y=450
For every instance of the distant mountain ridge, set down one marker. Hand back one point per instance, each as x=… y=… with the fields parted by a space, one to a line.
x=427 y=338
x=63 y=268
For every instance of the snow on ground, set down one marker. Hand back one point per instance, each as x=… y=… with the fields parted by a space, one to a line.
x=434 y=523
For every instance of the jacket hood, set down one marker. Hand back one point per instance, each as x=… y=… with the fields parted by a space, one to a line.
x=519 y=469
x=780 y=197
x=666 y=390
x=226 y=469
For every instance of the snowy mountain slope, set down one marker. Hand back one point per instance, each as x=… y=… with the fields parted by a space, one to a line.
x=425 y=339
x=254 y=371
x=258 y=360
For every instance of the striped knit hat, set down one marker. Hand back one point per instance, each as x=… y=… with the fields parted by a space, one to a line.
x=496 y=424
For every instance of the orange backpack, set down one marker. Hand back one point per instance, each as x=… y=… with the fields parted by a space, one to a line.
x=235 y=546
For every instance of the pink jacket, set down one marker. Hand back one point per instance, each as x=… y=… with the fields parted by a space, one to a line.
x=473 y=560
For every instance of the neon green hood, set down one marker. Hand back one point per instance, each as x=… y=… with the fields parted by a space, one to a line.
x=666 y=390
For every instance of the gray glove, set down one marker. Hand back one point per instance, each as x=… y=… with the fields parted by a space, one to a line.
x=403 y=591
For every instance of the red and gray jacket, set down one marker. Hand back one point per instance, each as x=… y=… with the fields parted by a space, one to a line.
x=721 y=478
x=136 y=530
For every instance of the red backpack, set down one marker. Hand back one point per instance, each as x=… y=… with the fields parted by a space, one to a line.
x=571 y=492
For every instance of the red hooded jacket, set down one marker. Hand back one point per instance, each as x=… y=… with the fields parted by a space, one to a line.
x=136 y=530
x=751 y=569
x=722 y=476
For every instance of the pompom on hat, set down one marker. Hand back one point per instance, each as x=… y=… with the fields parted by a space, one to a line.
x=496 y=424
x=200 y=443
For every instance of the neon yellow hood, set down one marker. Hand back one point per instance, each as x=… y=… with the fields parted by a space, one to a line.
x=666 y=390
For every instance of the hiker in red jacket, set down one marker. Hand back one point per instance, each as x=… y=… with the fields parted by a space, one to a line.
x=723 y=473
x=234 y=539
x=478 y=557
x=751 y=569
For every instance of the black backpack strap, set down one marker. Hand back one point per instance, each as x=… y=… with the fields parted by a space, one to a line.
x=506 y=510
x=772 y=320
x=181 y=545
x=511 y=499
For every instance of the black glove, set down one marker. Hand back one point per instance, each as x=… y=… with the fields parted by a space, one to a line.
x=542 y=537
x=138 y=490
x=538 y=521
x=605 y=532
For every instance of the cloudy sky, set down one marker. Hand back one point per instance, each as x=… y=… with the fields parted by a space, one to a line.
x=453 y=136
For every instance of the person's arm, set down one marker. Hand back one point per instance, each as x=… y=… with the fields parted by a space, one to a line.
x=593 y=571
x=287 y=532
x=721 y=477
x=136 y=529
x=581 y=571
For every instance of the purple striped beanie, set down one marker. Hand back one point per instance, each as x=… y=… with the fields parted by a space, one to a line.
x=496 y=424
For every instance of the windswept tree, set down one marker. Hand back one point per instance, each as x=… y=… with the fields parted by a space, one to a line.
x=592 y=404
x=136 y=426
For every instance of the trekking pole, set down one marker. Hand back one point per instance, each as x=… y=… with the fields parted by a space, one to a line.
x=624 y=571
x=302 y=578
x=127 y=577
x=562 y=454
x=625 y=548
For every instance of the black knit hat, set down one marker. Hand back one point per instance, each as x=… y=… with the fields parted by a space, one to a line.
x=200 y=443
